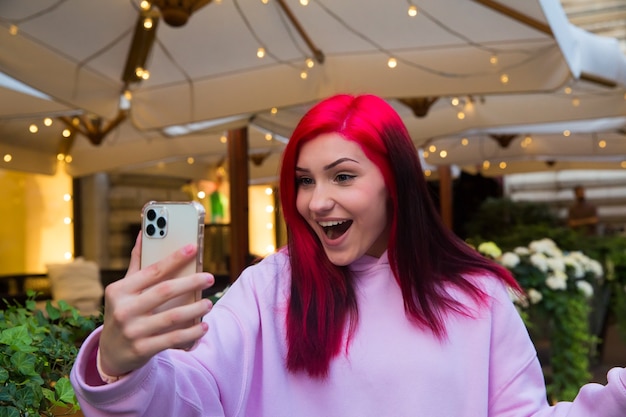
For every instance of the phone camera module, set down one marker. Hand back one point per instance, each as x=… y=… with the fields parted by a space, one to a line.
x=155 y=222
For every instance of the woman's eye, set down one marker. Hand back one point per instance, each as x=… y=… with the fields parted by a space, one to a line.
x=341 y=178
x=304 y=181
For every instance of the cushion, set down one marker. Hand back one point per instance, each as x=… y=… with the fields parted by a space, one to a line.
x=77 y=283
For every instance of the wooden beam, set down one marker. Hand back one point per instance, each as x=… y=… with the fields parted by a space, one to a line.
x=445 y=195
x=317 y=53
x=239 y=208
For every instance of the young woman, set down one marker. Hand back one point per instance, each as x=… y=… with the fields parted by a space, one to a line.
x=373 y=309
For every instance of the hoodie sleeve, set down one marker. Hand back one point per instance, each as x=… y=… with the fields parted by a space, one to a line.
x=212 y=380
x=161 y=387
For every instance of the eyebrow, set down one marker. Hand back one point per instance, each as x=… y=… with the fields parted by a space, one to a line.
x=332 y=164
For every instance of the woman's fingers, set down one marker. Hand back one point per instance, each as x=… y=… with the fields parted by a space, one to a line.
x=162 y=292
x=156 y=325
x=135 y=256
x=149 y=275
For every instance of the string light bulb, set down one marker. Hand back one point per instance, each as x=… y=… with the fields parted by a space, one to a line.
x=13 y=30
x=33 y=128
x=66 y=133
x=460 y=115
x=304 y=75
x=504 y=78
x=464 y=142
x=493 y=59
x=392 y=63
x=148 y=23
x=260 y=53
x=309 y=63
x=412 y=10
x=47 y=121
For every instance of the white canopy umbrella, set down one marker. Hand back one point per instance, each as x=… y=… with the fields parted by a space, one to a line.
x=76 y=52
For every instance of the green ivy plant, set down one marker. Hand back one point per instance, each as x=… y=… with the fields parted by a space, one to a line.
x=557 y=305
x=37 y=351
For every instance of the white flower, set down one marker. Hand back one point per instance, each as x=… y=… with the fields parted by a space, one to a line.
x=490 y=249
x=556 y=264
x=534 y=296
x=539 y=260
x=510 y=260
x=585 y=288
x=545 y=246
x=595 y=268
x=521 y=250
x=557 y=281
x=573 y=261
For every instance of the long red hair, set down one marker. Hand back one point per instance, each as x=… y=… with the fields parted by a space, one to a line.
x=423 y=253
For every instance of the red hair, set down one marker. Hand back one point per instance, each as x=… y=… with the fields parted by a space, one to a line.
x=424 y=254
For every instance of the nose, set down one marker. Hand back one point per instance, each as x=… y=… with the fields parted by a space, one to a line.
x=321 y=199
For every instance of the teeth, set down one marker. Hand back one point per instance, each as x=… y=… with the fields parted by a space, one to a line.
x=332 y=223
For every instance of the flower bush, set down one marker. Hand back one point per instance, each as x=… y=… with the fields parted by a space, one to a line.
x=558 y=288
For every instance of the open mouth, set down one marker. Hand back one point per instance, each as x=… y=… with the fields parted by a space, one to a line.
x=335 y=229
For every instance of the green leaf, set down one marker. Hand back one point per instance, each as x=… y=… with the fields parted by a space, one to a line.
x=17 y=335
x=64 y=390
x=53 y=312
x=4 y=375
x=25 y=363
x=9 y=412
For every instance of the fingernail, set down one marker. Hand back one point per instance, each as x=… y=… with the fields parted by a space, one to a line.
x=187 y=249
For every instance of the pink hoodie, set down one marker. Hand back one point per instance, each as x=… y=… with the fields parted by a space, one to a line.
x=486 y=367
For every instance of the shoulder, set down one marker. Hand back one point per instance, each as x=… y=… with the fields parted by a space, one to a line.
x=494 y=293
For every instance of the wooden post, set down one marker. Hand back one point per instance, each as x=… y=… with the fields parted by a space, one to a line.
x=238 y=177
x=445 y=194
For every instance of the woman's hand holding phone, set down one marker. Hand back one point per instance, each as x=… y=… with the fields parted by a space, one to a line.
x=133 y=330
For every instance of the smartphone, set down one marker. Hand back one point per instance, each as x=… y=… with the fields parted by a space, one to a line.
x=166 y=227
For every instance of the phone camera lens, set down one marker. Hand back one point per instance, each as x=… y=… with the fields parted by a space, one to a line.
x=151 y=214
x=150 y=229
x=161 y=222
